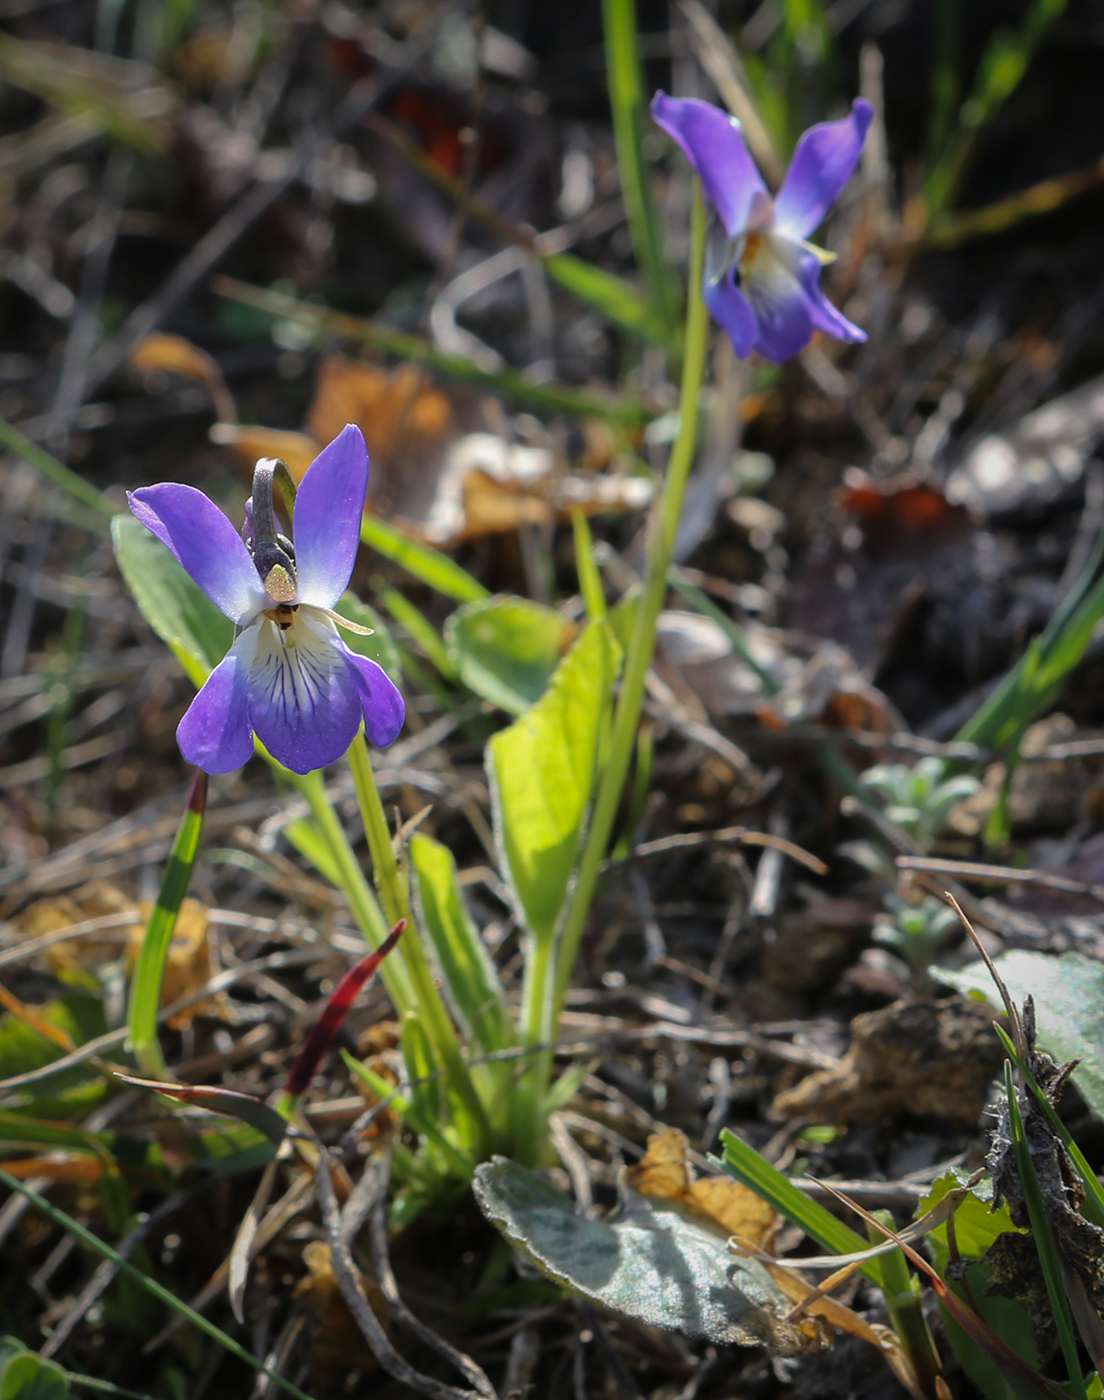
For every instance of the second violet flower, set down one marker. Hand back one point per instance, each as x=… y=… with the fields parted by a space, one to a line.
x=762 y=276
x=289 y=678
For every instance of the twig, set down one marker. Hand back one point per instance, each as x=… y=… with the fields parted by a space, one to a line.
x=575 y=1162
x=740 y=834
x=385 y=1277
x=296 y=957
x=1000 y=875
x=341 y=1261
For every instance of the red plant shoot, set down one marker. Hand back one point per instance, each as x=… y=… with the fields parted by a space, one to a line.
x=325 y=1029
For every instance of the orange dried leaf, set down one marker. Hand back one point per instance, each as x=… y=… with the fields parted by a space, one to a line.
x=250 y=443
x=664 y=1173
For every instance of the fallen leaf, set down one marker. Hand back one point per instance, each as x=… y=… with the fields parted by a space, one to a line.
x=188 y=965
x=172 y=354
x=664 y=1173
x=339 y=1345
x=249 y=443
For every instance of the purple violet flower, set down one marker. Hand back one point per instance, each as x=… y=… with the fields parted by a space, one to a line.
x=762 y=276
x=288 y=678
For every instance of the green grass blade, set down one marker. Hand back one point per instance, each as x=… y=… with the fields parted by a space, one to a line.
x=616 y=299
x=162 y=1294
x=626 y=92
x=1093 y=1206
x=746 y=1165
x=421 y=560
x=145 y=989
x=106 y=1387
x=419 y=629
x=999 y=73
x=55 y=471
x=1036 y=679
x=1045 y=1243
x=590 y=580
x=946 y=78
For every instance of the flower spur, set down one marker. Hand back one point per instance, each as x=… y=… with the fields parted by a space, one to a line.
x=762 y=276
x=289 y=679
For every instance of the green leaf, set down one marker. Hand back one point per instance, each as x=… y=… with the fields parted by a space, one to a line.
x=9 y=1347
x=542 y=772
x=422 y=560
x=470 y=976
x=976 y=1223
x=15 y=1128
x=178 y=611
x=247 y=1109
x=27 y=1376
x=612 y=296
x=507 y=649
x=379 y=647
x=420 y=630
x=1069 y=1006
x=145 y=987
x=304 y=835
x=23 y=1050
x=649 y=1264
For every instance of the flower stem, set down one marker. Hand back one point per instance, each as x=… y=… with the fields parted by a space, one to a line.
x=396 y=903
x=363 y=903
x=529 y=1128
x=663 y=525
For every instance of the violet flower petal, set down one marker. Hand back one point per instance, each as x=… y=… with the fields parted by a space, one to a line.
x=825 y=316
x=823 y=163
x=779 y=301
x=304 y=703
x=328 y=509
x=714 y=146
x=730 y=309
x=203 y=540
x=215 y=733
x=384 y=708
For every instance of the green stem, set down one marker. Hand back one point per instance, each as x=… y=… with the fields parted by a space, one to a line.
x=362 y=902
x=626 y=89
x=901 y=1290
x=55 y=471
x=664 y=524
x=392 y=887
x=396 y=903
x=536 y=1029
